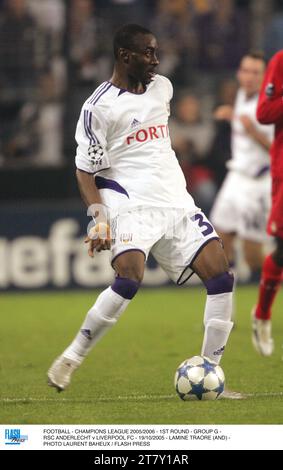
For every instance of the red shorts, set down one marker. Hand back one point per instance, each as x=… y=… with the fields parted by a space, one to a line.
x=275 y=221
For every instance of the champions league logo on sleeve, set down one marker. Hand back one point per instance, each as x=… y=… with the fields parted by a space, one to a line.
x=95 y=153
x=14 y=437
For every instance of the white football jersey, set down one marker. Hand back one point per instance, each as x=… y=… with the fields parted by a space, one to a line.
x=123 y=140
x=248 y=156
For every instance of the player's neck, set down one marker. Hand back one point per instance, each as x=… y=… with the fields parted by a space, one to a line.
x=121 y=80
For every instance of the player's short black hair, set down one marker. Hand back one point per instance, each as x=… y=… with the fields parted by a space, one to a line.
x=125 y=37
x=256 y=54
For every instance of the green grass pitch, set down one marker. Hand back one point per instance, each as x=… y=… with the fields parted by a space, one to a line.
x=128 y=377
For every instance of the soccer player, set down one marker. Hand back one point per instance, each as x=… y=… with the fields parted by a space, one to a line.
x=242 y=204
x=270 y=111
x=125 y=164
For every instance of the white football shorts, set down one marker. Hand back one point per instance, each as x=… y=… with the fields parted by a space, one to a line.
x=242 y=206
x=174 y=237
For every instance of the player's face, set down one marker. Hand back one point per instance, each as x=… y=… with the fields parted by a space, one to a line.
x=143 y=59
x=250 y=74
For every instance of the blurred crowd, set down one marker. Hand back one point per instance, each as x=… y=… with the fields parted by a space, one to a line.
x=53 y=53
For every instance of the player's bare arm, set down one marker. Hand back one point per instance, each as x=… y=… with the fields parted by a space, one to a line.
x=89 y=192
x=224 y=113
x=90 y=195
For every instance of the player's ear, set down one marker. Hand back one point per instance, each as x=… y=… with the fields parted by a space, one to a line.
x=124 y=55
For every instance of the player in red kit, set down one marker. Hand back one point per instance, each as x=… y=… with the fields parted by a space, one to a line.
x=270 y=111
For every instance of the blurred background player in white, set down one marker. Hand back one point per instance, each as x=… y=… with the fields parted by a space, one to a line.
x=242 y=204
x=122 y=133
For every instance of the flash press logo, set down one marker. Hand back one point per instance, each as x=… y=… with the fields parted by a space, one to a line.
x=13 y=437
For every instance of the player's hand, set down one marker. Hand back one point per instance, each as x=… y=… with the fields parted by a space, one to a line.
x=247 y=123
x=223 y=113
x=98 y=238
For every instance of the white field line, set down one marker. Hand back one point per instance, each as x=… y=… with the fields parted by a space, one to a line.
x=89 y=400
x=233 y=396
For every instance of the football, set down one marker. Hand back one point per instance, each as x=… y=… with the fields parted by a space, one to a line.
x=199 y=378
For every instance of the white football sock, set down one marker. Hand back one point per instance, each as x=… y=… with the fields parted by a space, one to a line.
x=100 y=318
x=218 y=326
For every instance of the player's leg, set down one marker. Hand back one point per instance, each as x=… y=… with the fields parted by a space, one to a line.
x=195 y=246
x=254 y=257
x=212 y=267
x=109 y=305
x=228 y=240
x=271 y=277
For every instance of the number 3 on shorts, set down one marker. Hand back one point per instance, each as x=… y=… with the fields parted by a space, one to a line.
x=203 y=224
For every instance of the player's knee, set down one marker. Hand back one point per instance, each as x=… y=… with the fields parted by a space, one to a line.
x=130 y=265
x=125 y=287
x=221 y=284
x=131 y=273
x=211 y=262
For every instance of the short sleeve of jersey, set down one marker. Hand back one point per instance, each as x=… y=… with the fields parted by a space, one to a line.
x=168 y=87
x=91 y=132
